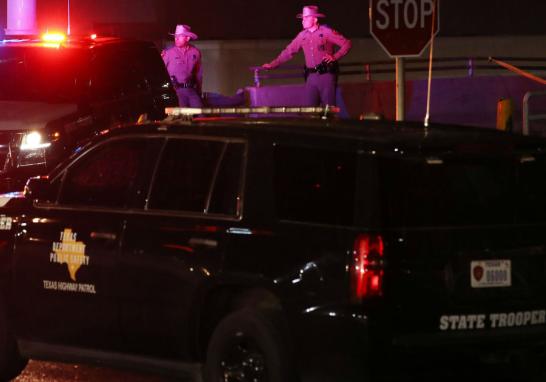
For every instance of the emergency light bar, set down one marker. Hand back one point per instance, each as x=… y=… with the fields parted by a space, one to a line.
x=194 y=111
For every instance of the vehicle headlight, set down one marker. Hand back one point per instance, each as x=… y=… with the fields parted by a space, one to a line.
x=34 y=141
x=32 y=150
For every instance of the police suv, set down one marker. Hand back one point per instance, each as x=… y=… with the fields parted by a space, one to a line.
x=293 y=249
x=56 y=92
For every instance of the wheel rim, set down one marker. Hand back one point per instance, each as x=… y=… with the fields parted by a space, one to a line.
x=243 y=361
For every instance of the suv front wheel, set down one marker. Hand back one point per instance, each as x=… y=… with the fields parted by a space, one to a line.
x=249 y=345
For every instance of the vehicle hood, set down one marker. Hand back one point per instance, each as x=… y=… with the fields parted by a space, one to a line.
x=20 y=115
x=6 y=198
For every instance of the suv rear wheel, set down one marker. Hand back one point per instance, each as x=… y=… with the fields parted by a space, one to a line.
x=11 y=363
x=249 y=345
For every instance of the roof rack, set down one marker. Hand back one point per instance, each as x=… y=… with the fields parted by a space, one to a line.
x=191 y=112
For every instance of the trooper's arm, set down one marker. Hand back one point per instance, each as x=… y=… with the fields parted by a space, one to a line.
x=286 y=54
x=341 y=41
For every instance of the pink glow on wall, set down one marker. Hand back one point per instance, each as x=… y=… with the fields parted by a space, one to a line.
x=21 y=18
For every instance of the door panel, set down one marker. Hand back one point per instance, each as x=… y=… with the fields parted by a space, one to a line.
x=177 y=244
x=66 y=274
x=67 y=253
x=166 y=261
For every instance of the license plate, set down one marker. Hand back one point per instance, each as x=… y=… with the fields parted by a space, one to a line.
x=490 y=273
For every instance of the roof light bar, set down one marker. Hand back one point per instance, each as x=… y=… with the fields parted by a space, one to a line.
x=193 y=111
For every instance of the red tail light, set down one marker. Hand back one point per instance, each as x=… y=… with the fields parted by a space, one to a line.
x=367 y=267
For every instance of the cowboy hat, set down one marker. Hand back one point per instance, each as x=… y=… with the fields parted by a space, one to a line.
x=184 y=30
x=310 y=10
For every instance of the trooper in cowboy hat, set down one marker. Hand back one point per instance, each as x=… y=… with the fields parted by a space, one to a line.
x=184 y=30
x=183 y=62
x=310 y=10
x=318 y=43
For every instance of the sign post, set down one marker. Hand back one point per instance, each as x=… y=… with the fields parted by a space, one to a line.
x=400 y=89
x=403 y=29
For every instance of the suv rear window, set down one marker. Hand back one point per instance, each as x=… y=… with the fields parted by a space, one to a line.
x=315 y=185
x=463 y=191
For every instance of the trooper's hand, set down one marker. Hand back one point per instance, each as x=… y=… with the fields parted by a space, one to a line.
x=328 y=58
x=267 y=66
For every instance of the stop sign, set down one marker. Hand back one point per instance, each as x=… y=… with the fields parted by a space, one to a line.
x=403 y=27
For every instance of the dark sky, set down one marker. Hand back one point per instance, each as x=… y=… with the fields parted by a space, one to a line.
x=275 y=19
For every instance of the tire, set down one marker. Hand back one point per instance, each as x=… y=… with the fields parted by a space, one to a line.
x=249 y=345
x=11 y=363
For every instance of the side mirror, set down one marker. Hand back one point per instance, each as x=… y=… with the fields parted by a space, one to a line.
x=38 y=187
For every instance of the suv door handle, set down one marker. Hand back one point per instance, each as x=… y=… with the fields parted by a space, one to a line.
x=201 y=242
x=103 y=235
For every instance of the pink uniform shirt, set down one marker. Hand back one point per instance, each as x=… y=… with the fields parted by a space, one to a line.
x=315 y=45
x=184 y=64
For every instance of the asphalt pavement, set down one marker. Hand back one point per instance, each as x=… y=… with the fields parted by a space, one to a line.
x=37 y=371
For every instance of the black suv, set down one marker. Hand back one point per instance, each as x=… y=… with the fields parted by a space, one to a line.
x=282 y=250
x=53 y=95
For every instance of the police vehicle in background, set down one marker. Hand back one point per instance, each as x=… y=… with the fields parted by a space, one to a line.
x=57 y=92
x=293 y=249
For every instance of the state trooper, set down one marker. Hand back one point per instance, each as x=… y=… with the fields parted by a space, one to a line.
x=321 y=67
x=183 y=62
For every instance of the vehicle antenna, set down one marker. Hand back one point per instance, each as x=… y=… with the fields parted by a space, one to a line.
x=431 y=54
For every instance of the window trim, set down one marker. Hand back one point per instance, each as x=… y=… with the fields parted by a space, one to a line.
x=133 y=211
x=61 y=176
x=242 y=180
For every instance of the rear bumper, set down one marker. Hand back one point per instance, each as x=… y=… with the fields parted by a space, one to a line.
x=344 y=344
x=492 y=338
x=517 y=353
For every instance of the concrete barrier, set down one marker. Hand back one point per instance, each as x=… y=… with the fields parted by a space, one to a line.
x=464 y=100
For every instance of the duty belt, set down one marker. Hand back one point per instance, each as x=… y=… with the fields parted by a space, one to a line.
x=184 y=85
x=322 y=68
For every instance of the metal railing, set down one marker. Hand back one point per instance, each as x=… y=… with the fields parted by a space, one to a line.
x=469 y=65
x=527 y=116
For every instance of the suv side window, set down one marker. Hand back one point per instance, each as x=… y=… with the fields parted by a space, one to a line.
x=198 y=175
x=315 y=185
x=112 y=175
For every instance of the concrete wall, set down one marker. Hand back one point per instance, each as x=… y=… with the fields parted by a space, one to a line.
x=456 y=97
x=465 y=100
x=226 y=63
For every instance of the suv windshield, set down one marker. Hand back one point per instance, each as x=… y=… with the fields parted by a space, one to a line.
x=39 y=74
